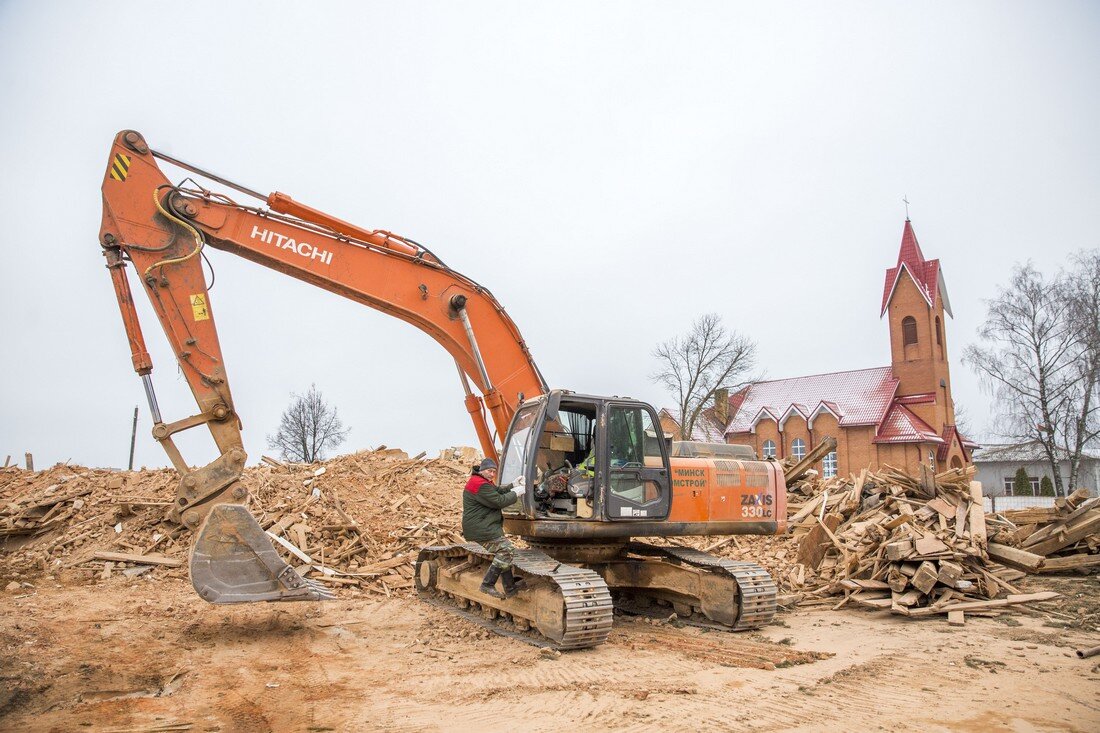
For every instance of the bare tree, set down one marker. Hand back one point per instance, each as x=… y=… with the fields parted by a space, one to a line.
x=1081 y=426
x=1039 y=358
x=308 y=428
x=696 y=364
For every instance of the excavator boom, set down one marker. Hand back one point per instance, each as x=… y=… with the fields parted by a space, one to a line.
x=162 y=230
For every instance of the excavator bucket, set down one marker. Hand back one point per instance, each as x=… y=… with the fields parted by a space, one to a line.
x=233 y=561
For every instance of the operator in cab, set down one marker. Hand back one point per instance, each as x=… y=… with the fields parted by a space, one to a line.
x=483 y=522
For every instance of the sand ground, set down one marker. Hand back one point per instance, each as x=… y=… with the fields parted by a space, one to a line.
x=137 y=654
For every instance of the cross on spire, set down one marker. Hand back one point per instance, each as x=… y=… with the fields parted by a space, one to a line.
x=905 y=198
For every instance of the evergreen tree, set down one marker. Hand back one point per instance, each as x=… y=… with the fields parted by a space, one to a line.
x=1046 y=487
x=1021 y=485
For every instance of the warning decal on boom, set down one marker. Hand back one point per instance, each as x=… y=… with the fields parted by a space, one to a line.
x=120 y=166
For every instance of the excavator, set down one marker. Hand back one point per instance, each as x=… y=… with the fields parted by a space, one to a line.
x=599 y=472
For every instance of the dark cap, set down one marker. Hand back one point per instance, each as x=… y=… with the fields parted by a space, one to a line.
x=486 y=464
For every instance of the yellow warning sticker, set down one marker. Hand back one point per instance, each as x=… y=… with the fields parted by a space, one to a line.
x=120 y=167
x=199 y=309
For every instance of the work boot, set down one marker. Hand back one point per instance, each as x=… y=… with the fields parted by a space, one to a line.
x=489 y=583
x=512 y=585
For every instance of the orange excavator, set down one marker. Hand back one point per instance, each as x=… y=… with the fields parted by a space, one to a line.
x=598 y=470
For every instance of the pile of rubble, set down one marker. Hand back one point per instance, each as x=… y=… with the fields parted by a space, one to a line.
x=356 y=521
x=1050 y=540
x=917 y=546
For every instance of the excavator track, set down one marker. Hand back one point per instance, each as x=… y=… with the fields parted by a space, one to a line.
x=563 y=606
x=755 y=590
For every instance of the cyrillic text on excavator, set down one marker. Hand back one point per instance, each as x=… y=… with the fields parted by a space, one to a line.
x=305 y=249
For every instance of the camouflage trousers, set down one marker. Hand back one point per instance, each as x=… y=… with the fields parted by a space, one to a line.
x=503 y=552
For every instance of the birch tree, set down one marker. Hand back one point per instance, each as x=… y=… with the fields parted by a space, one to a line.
x=1081 y=426
x=1039 y=354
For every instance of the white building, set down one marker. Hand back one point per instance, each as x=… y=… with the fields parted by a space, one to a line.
x=997 y=466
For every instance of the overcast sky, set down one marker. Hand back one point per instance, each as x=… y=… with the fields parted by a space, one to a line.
x=609 y=170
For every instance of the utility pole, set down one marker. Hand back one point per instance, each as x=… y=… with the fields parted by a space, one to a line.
x=133 y=440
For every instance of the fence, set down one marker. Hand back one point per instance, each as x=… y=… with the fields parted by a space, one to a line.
x=994 y=504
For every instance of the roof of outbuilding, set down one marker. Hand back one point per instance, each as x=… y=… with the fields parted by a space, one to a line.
x=1024 y=453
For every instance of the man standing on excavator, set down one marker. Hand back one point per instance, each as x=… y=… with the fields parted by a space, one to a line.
x=482 y=522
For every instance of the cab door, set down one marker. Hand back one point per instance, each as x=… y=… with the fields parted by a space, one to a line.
x=635 y=463
x=520 y=446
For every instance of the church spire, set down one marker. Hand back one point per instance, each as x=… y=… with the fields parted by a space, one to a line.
x=925 y=273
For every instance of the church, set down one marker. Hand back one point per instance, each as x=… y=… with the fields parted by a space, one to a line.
x=902 y=414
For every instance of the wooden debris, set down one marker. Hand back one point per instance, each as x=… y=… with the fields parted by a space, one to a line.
x=1016 y=558
x=799 y=469
x=1058 y=539
x=336 y=528
x=172 y=562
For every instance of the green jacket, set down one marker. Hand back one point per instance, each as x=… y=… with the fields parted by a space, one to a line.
x=482 y=519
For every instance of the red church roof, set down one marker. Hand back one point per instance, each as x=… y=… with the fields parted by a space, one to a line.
x=925 y=273
x=861 y=397
x=858 y=397
x=901 y=425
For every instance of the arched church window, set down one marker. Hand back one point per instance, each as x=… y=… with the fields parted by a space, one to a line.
x=769 y=449
x=939 y=337
x=798 y=449
x=908 y=330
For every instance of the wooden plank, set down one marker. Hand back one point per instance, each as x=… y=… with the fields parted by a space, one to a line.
x=378 y=567
x=929 y=545
x=171 y=562
x=956 y=618
x=291 y=548
x=1015 y=558
x=985 y=605
x=807 y=509
x=811 y=550
x=898 y=521
x=941 y=505
x=1069 y=562
x=961 y=513
x=977 y=515
x=907 y=599
x=860 y=584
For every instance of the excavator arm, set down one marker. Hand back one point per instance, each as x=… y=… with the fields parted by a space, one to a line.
x=162 y=229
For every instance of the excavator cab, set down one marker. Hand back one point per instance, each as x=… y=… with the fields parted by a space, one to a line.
x=588 y=458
